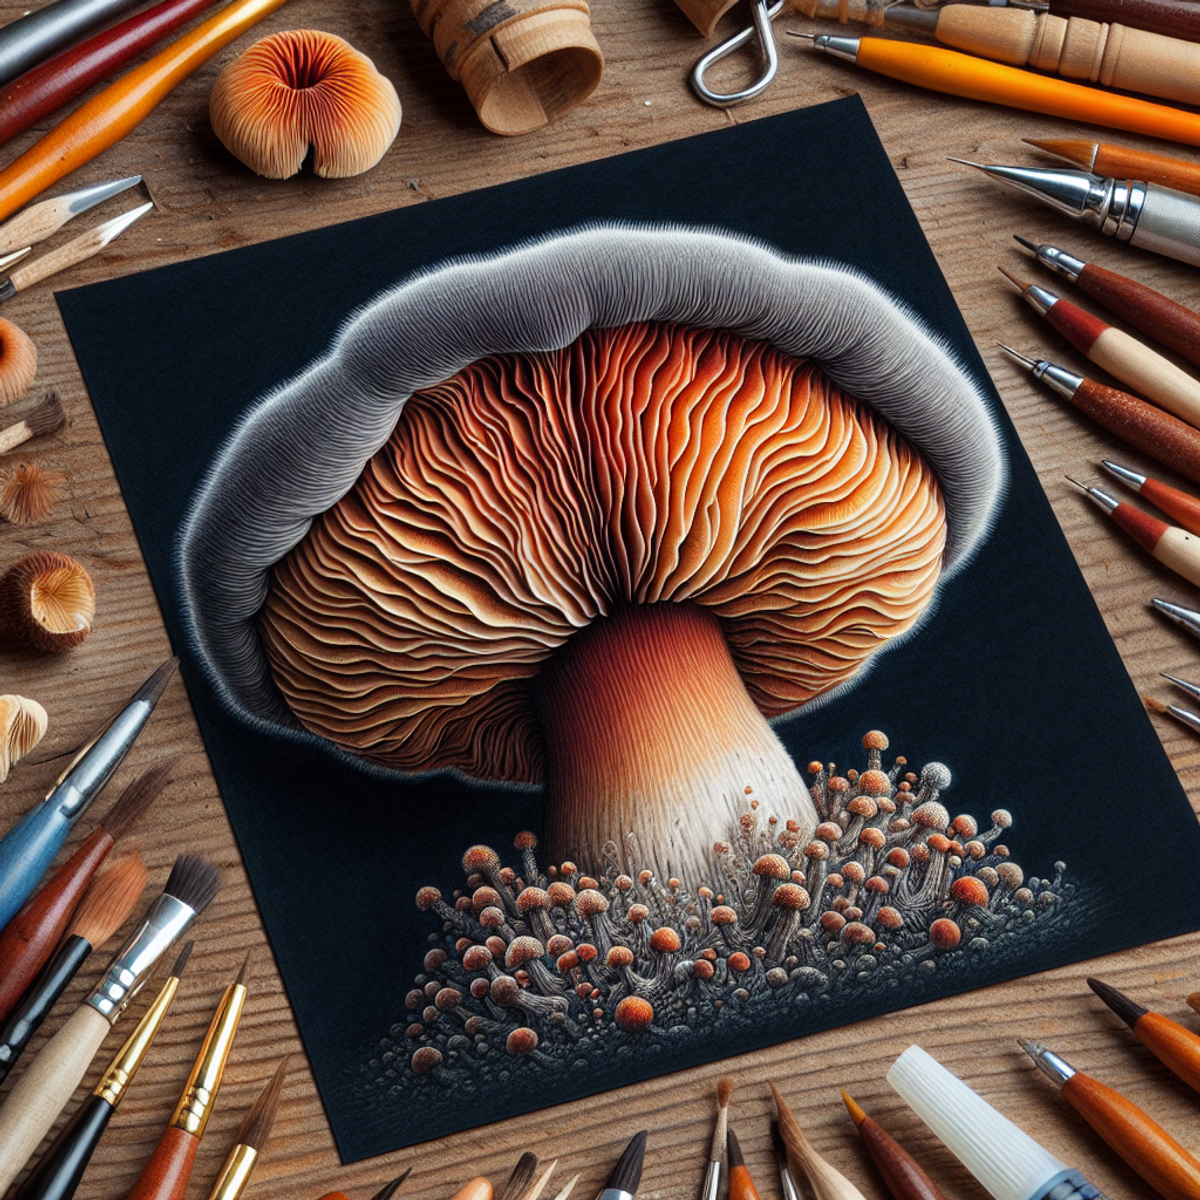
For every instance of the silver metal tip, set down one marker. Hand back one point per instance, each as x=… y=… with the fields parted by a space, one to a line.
x=1026 y=243
x=966 y=162
x=1083 y=487
x=812 y=37
x=1018 y=356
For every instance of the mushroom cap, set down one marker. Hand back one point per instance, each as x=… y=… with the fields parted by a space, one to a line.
x=525 y=840
x=858 y=934
x=477 y=958
x=523 y=950
x=435 y=958
x=521 y=1041
x=874 y=783
x=723 y=915
x=790 y=896
x=427 y=897
x=586 y=951
x=620 y=956
x=485 y=897
x=448 y=997
x=639 y=912
x=1002 y=817
x=304 y=88
x=425 y=1059
x=832 y=921
x=878 y=884
x=945 y=934
x=590 y=903
x=739 y=961
x=28 y=492
x=634 y=1014
x=863 y=806
x=888 y=918
x=703 y=969
x=774 y=866
x=817 y=851
x=23 y=723
x=1010 y=875
x=938 y=843
x=665 y=940
x=562 y=895
x=931 y=815
x=969 y=890
x=18 y=362
x=829 y=831
x=481 y=859
x=898 y=857
x=964 y=827
x=875 y=838
x=874 y=740
x=853 y=871
x=276 y=474
x=47 y=601
x=558 y=944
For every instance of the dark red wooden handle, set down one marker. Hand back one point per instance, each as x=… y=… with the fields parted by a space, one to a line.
x=1145 y=309
x=50 y=85
x=1173 y=18
x=165 y=1176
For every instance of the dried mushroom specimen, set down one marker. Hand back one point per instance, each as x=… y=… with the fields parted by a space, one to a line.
x=23 y=723
x=604 y=569
x=28 y=493
x=18 y=362
x=47 y=601
x=305 y=88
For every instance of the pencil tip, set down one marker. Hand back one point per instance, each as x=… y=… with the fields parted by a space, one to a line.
x=856 y=1113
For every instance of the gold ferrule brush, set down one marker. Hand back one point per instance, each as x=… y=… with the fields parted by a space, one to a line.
x=200 y=1092
x=250 y=1140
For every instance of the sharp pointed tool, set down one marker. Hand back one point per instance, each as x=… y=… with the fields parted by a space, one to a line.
x=71 y=253
x=39 y=221
x=1188 y=618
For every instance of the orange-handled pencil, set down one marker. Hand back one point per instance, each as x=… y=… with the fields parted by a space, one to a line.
x=1172 y=1044
x=973 y=78
x=1148 y=1148
x=1175 y=503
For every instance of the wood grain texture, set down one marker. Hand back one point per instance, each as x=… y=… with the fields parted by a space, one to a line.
x=208 y=202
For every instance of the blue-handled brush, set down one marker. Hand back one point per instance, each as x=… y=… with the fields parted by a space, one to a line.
x=28 y=850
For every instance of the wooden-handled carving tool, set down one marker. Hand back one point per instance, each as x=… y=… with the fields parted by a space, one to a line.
x=1148 y=1148
x=30 y=937
x=108 y=903
x=1173 y=442
x=39 y=221
x=1183 y=508
x=60 y=1169
x=1172 y=1044
x=71 y=253
x=44 y=1089
x=901 y=1172
x=1122 y=356
x=28 y=849
x=250 y=1140
x=1144 y=308
x=165 y=1176
x=1172 y=546
x=1122 y=162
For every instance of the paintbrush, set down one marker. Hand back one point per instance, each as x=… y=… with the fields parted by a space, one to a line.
x=627 y=1174
x=515 y=1185
x=712 y=1173
x=901 y=1172
x=250 y=1140
x=787 y=1181
x=60 y=1169
x=104 y=909
x=71 y=253
x=1148 y=1148
x=1171 y=500
x=165 y=1175
x=388 y=1190
x=28 y=849
x=825 y=1182
x=42 y=1092
x=46 y=417
x=741 y=1186
x=1171 y=1043
x=39 y=221
x=30 y=937
x=1182 y=715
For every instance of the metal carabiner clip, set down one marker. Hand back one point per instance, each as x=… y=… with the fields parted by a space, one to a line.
x=763 y=12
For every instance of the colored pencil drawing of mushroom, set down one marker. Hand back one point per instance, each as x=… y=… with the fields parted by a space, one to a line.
x=589 y=518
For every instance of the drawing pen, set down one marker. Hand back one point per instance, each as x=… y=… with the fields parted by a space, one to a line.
x=59 y=1170
x=1115 y=55
x=1143 y=214
x=957 y=74
x=1148 y=1148
x=1165 y=438
x=901 y=1172
x=1144 y=308
x=1172 y=546
x=1121 y=162
x=627 y=1174
x=1122 y=356
x=42 y=1092
x=1183 y=508
x=1005 y=1159
x=166 y=1173
x=71 y=253
x=1172 y=1044
x=1187 y=618
x=28 y=849
x=39 y=221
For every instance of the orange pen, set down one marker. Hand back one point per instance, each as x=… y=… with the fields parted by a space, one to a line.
x=1148 y=1148
x=973 y=78
x=1175 y=503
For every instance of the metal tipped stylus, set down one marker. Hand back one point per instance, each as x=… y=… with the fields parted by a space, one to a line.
x=1188 y=618
x=40 y=221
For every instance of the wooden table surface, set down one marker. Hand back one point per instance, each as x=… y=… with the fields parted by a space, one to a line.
x=207 y=202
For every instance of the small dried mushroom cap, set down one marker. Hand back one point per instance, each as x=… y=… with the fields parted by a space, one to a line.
x=28 y=493
x=634 y=1014
x=18 y=362
x=305 y=88
x=23 y=724
x=47 y=601
x=773 y=866
x=969 y=890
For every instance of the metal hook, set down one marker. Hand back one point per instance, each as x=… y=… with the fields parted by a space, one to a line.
x=763 y=12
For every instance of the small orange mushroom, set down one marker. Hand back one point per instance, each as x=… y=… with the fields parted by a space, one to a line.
x=305 y=88
x=634 y=1014
x=18 y=362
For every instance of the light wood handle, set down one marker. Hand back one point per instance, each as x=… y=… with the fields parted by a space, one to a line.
x=58 y=259
x=45 y=1089
x=705 y=14
x=34 y=224
x=1147 y=372
x=1136 y=61
x=14 y=436
x=1180 y=551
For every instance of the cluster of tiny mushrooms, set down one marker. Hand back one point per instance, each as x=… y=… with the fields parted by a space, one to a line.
x=530 y=961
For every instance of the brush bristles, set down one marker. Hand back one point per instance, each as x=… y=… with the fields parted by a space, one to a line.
x=244 y=973
x=109 y=901
x=390 y=1189
x=256 y=1128
x=1154 y=705
x=138 y=797
x=193 y=881
x=182 y=961
x=535 y=1192
x=736 y=1158
x=46 y=417
x=156 y=682
x=778 y=1145
x=724 y=1094
x=627 y=1174
x=520 y=1179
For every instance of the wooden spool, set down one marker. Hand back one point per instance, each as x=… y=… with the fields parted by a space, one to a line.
x=522 y=62
x=705 y=14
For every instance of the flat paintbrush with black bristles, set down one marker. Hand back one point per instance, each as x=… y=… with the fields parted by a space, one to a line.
x=45 y=418
x=627 y=1174
x=108 y=902
x=47 y=1084
x=250 y=1140
x=29 y=938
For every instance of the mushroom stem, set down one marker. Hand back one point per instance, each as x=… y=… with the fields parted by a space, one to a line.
x=648 y=725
